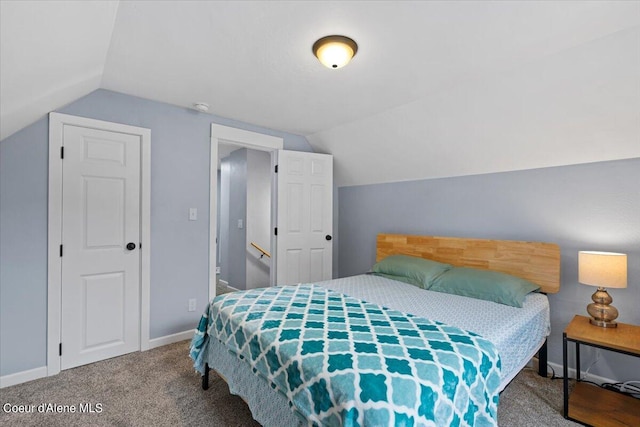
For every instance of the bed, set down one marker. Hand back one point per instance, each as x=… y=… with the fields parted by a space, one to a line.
x=373 y=350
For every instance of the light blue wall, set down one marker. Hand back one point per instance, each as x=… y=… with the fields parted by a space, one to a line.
x=258 y=224
x=179 y=248
x=224 y=185
x=237 y=206
x=583 y=207
x=336 y=235
x=24 y=167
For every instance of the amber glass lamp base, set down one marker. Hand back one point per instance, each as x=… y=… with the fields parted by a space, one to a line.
x=602 y=313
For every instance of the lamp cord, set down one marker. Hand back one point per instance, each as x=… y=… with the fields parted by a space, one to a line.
x=628 y=388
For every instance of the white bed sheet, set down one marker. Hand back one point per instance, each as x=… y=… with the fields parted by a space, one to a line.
x=516 y=332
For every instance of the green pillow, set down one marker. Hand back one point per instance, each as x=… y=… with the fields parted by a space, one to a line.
x=404 y=279
x=416 y=271
x=484 y=284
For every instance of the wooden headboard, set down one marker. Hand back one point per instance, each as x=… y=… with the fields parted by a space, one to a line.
x=534 y=261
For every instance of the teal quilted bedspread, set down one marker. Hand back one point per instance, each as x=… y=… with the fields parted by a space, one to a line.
x=341 y=361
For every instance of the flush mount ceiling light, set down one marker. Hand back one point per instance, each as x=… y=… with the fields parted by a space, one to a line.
x=335 y=51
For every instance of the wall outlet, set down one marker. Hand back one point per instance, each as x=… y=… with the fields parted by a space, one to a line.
x=192 y=304
x=217 y=270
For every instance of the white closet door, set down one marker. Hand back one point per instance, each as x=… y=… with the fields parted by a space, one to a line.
x=101 y=238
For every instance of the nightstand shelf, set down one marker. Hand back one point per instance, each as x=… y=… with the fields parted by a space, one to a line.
x=590 y=404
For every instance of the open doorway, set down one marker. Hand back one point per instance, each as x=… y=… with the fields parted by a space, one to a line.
x=244 y=218
x=301 y=212
x=238 y=138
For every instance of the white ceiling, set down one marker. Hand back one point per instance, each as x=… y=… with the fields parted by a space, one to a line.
x=252 y=61
x=51 y=53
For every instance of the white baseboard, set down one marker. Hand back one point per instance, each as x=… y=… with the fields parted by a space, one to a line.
x=572 y=374
x=559 y=372
x=41 y=372
x=170 y=339
x=23 y=377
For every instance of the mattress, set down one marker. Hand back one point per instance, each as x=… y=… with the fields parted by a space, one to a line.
x=516 y=332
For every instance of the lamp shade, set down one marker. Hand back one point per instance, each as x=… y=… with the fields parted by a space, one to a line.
x=604 y=269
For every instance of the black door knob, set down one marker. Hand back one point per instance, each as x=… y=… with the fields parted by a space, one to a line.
x=328 y=237
x=131 y=246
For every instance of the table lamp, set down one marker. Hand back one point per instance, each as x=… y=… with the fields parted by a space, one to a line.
x=602 y=269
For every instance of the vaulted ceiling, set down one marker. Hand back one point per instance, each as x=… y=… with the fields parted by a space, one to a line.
x=436 y=88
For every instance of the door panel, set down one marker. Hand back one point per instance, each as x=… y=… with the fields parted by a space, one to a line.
x=295 y=207
x=316 y=264
x=104 y=150
x=316 y=213
x=305 y=217
x=293 y=266
x=103 y=309
x=104 y=214
x=100 y=276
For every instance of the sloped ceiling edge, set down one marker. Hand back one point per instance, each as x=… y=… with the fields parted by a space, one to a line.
x=51 y=53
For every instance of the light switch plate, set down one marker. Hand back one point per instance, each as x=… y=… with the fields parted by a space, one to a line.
x=193 y=214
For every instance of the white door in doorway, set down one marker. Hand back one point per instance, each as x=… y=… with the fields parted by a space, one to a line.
x=305 y=217
x=100 y=245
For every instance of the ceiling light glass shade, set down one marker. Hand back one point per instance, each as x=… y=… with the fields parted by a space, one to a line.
x=335 y=51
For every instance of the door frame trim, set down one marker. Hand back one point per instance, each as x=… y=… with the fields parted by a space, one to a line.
x=54 y=261
x=243 y=138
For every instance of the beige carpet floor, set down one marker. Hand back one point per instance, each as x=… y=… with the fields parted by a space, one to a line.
x=160 y=388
